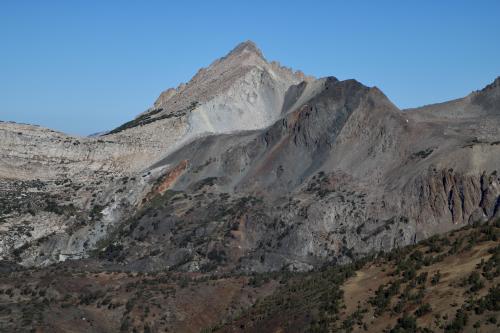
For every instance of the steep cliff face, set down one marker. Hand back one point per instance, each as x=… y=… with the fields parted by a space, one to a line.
x=455 y=197
x=251 y=167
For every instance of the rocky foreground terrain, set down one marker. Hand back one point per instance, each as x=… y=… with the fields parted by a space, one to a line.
x=248 y=169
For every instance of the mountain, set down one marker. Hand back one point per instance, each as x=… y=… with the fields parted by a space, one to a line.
x=294 y=171
x=234 y=201
x=83 y=174
x=240 y=91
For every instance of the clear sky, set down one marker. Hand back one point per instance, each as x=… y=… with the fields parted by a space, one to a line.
x=87 y=66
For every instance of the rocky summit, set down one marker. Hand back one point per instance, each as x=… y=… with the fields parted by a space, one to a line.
x=248 y=168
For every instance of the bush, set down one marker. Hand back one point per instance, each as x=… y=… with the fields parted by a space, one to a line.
x=458 y=324
x=422 y=278
x=474 y=280
x=490 y=302
x=383 y=297
x=491 y=268
x=405 y=324
x=436 y=278
x=423 y=310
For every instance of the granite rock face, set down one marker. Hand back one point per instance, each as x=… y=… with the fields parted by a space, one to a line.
x=251 y=167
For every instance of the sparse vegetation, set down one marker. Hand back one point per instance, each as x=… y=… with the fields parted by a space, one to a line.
x=405 y=288
x=151 y=116
x=423 y=153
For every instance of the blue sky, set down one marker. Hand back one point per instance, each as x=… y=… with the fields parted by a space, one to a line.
x=87 y=66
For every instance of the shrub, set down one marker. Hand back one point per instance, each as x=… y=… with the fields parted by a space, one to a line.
x=383 y=297
x=436 y=278
x=490 y=302
x=458 y=323
x=405 y=324
x=474 y=280
x=423 y=310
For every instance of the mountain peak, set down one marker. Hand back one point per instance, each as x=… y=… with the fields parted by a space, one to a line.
x=248 y=46
x=244 y=54
x=496 y=82
x=492 y=85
